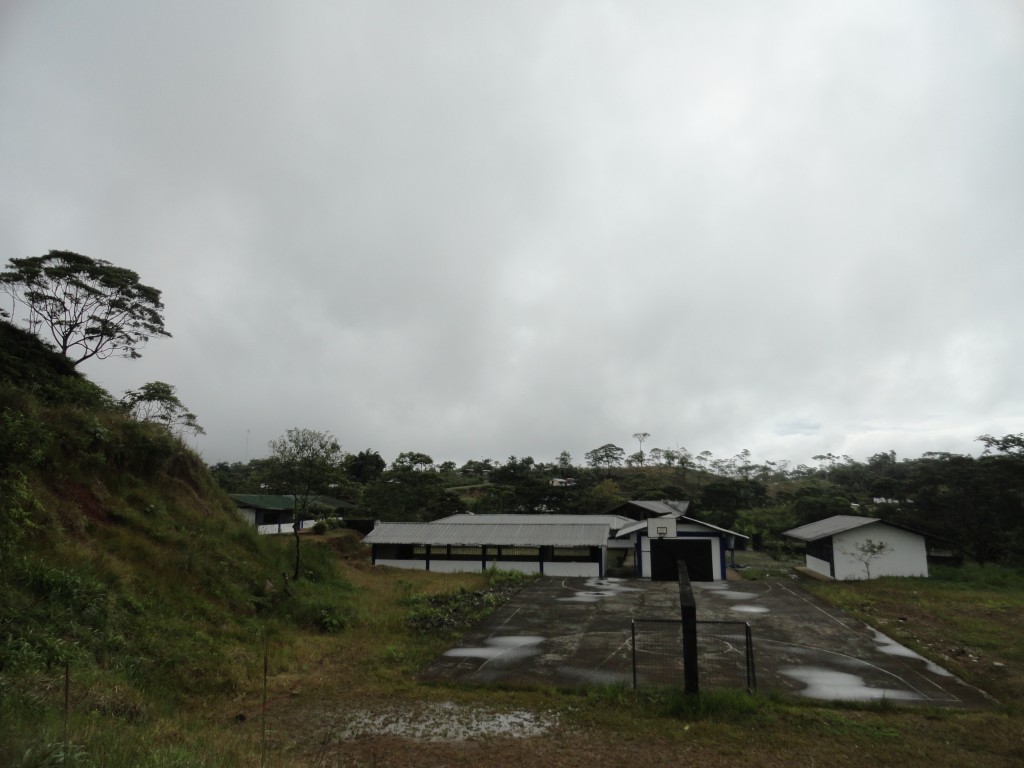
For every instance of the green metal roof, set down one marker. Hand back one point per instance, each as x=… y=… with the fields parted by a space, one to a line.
x=285 y=502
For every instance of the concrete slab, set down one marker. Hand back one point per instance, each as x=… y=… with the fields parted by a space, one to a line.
x=575 y=631
x=805 y=647
x=558 y=632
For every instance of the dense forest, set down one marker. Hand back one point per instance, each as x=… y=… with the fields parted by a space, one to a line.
x=976 y=503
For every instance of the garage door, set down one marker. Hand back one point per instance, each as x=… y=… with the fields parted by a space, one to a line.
x=665 y=554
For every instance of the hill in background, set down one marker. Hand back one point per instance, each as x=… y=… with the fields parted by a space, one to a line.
x=122 y=561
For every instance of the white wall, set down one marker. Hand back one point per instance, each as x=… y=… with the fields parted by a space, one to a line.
x=586 y=570
x=589 y=570
x=284 y=527
x=438 y=566
x=906 y=554
x=716 y=557
x=528 y=566
x=819 y=566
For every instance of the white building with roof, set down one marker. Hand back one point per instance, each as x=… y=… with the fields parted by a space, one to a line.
x=851 y=547
x=552 y=545
x=560 y=545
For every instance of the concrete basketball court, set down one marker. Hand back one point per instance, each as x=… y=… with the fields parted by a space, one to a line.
x=575 y=631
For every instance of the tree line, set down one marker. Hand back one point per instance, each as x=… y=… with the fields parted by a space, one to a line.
x=88 y=308
x=974 y=504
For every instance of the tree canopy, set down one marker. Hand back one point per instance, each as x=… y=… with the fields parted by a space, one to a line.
x=607 y=456
x=972 y=506
x=157 y=403
x=365 y=466
x=89 y=307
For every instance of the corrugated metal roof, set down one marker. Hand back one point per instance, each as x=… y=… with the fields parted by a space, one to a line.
x=830 y=526
x=726 y=531
x=660 y=507
x=642 y=524
x=493 y=534
x=612 y=521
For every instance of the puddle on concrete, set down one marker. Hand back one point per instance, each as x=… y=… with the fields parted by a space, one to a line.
x=598 y=589
x=748 y=609
x=712 y=585
x=887 y=645
x=730 y=595
x=586 y=597
x=610 y=585
x=508 y=647
x=445 y=722
x=830 y=685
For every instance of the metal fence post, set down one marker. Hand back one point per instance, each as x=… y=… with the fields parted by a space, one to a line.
x=751 y=669
x=688 y=608
x=633 y=633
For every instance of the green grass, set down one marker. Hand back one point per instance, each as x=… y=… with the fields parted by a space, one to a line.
x=756 y=566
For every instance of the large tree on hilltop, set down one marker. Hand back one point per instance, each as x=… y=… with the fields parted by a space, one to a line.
x=607 y=456
x=90 y=307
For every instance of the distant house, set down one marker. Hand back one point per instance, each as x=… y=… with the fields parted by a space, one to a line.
x=276 y=513
x=850 y=547
x=645 y=539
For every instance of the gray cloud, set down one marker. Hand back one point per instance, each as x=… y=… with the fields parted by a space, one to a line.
x=489 y=229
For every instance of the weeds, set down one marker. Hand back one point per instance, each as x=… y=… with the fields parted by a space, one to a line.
x=53 y=755
x=452 y=613
x=730 y=706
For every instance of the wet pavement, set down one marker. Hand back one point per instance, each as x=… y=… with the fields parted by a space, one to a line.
x=805 y=647
x=576 y=631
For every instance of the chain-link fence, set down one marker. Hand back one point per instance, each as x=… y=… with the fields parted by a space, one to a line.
x=725 y=654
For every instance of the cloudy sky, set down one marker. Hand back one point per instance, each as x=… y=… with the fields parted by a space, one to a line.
x=480 y=229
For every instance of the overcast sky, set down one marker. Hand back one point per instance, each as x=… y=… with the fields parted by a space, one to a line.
x=480 y=229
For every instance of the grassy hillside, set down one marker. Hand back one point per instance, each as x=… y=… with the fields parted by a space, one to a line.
x=123 y=564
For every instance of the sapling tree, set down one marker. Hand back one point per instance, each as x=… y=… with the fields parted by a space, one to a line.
x=868 y=551
x=305 y=463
